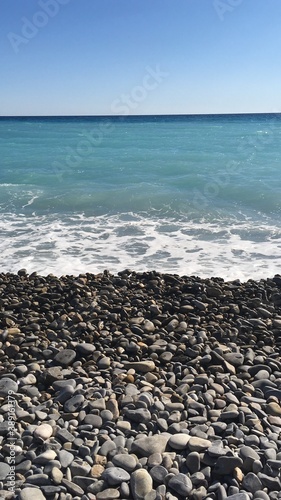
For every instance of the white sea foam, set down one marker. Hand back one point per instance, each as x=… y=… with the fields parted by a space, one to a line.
x=78 y=244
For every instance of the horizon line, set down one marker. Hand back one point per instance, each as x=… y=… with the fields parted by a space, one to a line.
x=143 y=115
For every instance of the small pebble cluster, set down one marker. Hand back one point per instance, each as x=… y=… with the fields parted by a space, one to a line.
x=142 y=386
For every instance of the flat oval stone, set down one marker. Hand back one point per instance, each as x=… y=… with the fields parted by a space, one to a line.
x=193 y=462
x=115 y=475
x=125 y=461
x=181 y=484
x=74 y=403
x=108 y=494
x=251 y=482
x=104 y=363
x=56 y=475
x=141 y=484
x=198 y=444
x=65 y=357
x=45 y=457
x=44 y=431
x=239 y=496
x=226 y=465
x=85 y=348
x=72 y=488
x=31 y=494
x=158 y=473
x=4 y=470
x=39 y=479
x=179 y=441
x=94 y=420
x=141 y=366
x=7 y=385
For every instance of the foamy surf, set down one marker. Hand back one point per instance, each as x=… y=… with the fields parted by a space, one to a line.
x=79 y=244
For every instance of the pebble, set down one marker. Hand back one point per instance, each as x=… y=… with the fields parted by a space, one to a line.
x=43 y=431
x=65 y=357
x=31 y=494
x=141 y=385
x=198 y=444
x=4 y=470
x=125 y=461
x=7 y=386
x=251 y=482
x=141 y=484
x=108 y=494
x=141 y=366
x=179 y=441
x=146 y=446
x=181 y=484
x=115 y=475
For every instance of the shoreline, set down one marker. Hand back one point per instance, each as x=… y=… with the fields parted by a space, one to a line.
x=138 y=385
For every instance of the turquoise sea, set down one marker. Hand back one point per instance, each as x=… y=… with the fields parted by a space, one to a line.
x=192 y=195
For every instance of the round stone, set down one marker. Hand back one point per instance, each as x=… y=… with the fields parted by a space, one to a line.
x=44 y=431
x=94 y=420
x=104 y=363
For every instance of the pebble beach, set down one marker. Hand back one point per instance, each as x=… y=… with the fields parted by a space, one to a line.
x=142 y=386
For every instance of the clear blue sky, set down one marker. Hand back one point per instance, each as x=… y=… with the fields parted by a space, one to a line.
x=93 y=57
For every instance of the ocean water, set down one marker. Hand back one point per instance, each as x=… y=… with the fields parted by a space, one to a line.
x=191 y=195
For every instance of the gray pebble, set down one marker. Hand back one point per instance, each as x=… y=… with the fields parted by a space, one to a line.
x=7 y=386
x=115 y=475
x=181 y=484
